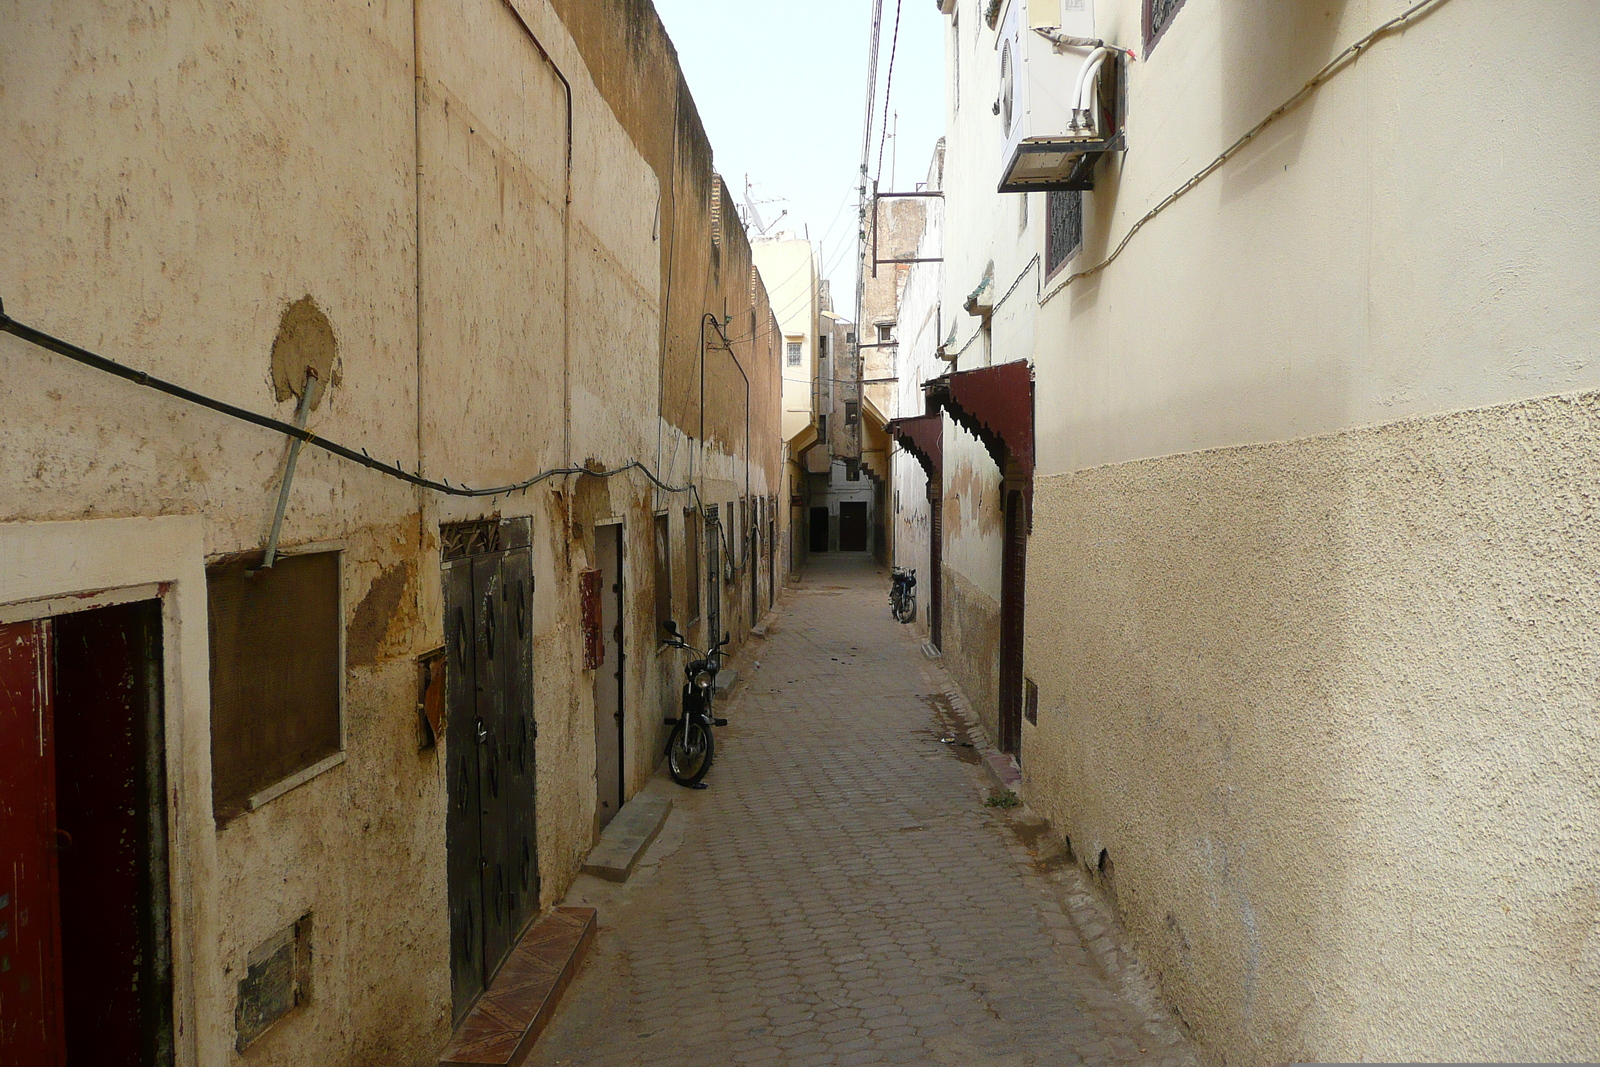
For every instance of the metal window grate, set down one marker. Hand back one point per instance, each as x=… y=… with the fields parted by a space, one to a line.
x=458 y=539
x=1158 y=15
x=1064 y=235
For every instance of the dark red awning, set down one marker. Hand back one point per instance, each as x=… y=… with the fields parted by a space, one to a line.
x=995 y=405
x=923 y=437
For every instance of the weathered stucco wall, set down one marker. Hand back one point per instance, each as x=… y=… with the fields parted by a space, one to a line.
x=1328 y=707
x=177 y=178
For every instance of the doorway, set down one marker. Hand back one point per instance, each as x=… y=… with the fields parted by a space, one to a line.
x=819 y=530
x=934 y=579
x=713 y=575
x=853 y=526
x=87 y=967
x=492 y=868
x=752 y=521
x=608 y=678
x=1013 y=574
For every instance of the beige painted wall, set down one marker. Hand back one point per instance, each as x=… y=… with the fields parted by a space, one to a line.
x=1376 y=254
x=1318 y=690
x=788 y=267
x=1328 y=705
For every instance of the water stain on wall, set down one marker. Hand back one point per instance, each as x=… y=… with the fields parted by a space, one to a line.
x=373 y=617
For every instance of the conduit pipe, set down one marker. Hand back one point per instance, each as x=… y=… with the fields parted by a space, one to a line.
x=1084 y=101
x=727 y=346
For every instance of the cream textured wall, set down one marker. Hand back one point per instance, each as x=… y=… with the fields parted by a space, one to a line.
x=1329 y=706
x=1418 y=237
x=175 y=177
x=1320 y=693
x=788 y=269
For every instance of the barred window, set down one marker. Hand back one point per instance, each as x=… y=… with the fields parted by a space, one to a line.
x=792 y=352
x=1158 y=15
x=1065 y=234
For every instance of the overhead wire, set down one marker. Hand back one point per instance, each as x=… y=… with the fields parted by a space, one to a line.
x=358 y=456
x=888 y=89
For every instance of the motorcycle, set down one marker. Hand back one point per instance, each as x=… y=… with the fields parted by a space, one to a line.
x=903 y=594
x=691 y=746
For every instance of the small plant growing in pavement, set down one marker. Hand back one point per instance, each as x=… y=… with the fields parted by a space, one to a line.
x=1003 y=798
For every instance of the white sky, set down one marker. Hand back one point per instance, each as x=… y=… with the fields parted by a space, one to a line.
x=781 y=89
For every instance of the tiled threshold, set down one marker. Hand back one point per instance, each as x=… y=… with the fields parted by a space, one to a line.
x=502 y=1027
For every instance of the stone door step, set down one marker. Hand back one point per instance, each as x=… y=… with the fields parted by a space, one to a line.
x=1003 y=771
x=502 y=1027
x=626 y=837
x=930 y=651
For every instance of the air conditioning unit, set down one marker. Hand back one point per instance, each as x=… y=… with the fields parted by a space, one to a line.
x=1062 y=95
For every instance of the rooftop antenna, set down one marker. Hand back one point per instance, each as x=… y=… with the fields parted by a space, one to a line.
x=752 y=216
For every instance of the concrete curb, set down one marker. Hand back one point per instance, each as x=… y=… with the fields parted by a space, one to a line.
x=627 y=836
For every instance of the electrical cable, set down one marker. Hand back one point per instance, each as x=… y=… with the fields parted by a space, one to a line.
x=1034 y=262
x=1334 y=66
x=393 y=470
x=888 y=88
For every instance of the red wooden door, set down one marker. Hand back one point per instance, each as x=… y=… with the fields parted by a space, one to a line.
x=30 y=933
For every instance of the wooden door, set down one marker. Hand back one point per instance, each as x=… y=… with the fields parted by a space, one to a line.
x=1013 y=575
x=853 y=526
x=31 y=1023
x=713 y=577
x=819 y=530
x=492 y=862
x=933 y=581
x=112 y=836
x=608 y=677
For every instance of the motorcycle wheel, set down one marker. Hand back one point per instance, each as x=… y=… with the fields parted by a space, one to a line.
x=689 y=752
x=906 y=609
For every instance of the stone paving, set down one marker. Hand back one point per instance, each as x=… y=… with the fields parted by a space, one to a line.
x=842 y=895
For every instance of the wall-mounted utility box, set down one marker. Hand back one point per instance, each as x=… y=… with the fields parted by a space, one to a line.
x=1061 y=103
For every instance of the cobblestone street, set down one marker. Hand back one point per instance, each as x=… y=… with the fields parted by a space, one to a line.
x=841 y=894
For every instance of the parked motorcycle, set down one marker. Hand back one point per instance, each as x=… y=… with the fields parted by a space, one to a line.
x=691 y=746
x=903 y=594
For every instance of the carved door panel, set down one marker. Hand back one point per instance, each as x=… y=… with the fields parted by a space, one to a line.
x=490 y=744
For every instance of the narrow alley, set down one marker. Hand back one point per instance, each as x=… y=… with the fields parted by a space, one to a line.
x=436 y=433
x=842 y=894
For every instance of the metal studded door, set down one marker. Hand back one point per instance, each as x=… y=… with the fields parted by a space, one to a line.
x=713 y=576
x=490 y=744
